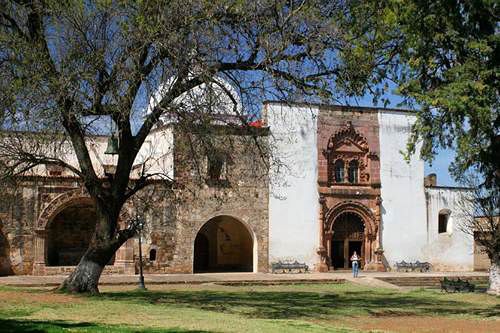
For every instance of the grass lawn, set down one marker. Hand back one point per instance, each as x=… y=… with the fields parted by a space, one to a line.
x=214 y=308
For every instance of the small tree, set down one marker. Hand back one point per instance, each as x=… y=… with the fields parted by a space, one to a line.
x=68 y=67
x=480 y=213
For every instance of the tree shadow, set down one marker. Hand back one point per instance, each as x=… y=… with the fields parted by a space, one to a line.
x=35 y=326
x=290 y=305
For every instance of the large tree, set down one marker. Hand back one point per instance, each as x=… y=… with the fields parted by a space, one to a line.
x=449 y=69
x=67 y=65
x=449 y=54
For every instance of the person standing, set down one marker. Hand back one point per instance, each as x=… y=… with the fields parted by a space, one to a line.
x=355 y=264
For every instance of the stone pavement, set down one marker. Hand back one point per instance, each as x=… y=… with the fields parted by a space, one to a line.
x=366 y=278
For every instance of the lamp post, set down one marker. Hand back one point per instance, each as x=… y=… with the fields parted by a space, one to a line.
x=141 y=275
x=138 y=223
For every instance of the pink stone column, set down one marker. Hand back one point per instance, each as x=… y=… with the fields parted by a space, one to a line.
x=39 y=252
x=125 y=257
x=322 y=265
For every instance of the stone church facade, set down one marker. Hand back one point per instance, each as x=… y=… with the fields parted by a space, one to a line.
x=355 y=192
x=341 y=186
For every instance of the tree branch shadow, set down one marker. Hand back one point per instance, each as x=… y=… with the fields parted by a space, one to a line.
x=39 y=326
x=290 y=305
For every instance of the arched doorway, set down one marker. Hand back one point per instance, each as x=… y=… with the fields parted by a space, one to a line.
x=223 y=244
x=5 y=264
x=347 y=236
x=69 y=234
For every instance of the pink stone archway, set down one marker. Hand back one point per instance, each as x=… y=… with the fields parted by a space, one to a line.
x=124 y=260
x=371 y=233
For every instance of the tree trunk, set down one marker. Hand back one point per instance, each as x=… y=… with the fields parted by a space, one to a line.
x=85 y=277
x=102 y=247
x=494 y=285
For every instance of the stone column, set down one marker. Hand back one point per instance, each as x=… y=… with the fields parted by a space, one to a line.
x=377 y=264
x=39 y=252
x=322 y=265
x=125 y=257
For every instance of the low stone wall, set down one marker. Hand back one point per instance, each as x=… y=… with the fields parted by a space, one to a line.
x=65 y=270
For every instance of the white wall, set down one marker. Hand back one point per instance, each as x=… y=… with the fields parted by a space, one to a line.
x=293 y=198
x=403 y=199
x=157 y=153
x=454 y=249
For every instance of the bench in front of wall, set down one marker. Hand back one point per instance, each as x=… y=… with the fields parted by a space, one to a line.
x=288 y=267
x=413 y=266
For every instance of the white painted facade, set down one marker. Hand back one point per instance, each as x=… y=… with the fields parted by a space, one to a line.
x=409 y=210
x=403 y=220
x=293 y=197
x=453 y=249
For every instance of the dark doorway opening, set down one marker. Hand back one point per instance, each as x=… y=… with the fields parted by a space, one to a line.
x=338 y=253
x=5 y=264
x=348 y=236
x=69 y=234
x=201 y=255
x=223 y=244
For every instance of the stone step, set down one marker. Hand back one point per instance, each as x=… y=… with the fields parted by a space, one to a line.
x=428 y=281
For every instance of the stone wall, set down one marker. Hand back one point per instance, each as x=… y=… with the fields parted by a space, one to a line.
x=173 y=215
x=241 y=193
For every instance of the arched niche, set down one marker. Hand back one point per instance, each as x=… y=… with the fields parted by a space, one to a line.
x=223 y=244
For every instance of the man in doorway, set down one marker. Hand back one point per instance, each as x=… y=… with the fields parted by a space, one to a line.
x=355 y=264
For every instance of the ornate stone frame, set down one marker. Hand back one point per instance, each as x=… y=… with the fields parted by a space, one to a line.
x=371 y=222
x=348 y=135
x=124 y=256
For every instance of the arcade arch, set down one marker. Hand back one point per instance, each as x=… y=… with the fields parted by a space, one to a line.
x=223 y=244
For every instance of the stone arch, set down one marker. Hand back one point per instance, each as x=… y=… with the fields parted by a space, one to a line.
x=347 y=236
x=224 y=243
x=65 y=200
x=59 y=203
x=357 y=208
x=370 y=230
x=69 y=234
x=123 y=257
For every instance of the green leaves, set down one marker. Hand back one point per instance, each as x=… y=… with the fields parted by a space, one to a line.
x=451 y=53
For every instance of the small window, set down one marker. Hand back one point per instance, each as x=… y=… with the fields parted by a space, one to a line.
x=353 y=172
x=443 y=219
x=339 y=171
x=152 y=255
x=216 y=168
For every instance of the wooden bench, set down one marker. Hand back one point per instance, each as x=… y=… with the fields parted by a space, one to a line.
x=413 y=266
x=288 y=267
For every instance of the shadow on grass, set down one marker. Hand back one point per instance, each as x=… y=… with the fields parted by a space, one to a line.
x=313 y=305
x=55 y=326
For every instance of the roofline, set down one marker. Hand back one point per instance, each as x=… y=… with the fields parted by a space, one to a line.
x=340 y=106
x=461 y=188
x=26 y=132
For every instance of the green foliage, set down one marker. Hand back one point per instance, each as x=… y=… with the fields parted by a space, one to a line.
x=450 y=54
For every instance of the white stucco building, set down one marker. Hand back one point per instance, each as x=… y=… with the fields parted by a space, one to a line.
x=344 y=186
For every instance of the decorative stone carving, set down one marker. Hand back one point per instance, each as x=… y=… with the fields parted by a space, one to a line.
x=348 y=145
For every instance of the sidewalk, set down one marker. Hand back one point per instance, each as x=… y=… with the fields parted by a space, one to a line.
x=230 y=278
